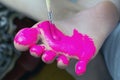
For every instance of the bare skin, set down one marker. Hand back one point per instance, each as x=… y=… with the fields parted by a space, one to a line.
x=97 y=21
x=62 y=8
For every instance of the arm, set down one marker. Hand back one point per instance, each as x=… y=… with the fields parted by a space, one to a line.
x=37 y=9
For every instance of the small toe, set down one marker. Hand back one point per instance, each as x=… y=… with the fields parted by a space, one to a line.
x=62 y=61
x=48 y=56
x=80 y=67
x=37 y=50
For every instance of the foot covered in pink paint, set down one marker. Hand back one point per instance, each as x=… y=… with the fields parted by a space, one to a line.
x=46 y=41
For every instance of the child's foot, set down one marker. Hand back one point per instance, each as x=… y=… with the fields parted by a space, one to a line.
x=90 y=28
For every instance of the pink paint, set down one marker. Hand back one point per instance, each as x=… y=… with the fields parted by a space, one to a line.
x=48 y=56
x=63 y=59
x=77 y=46
x=37 y=50
x=27 y=36
x=80 y=67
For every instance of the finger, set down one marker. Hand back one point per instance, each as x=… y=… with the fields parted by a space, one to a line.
x=37 y=50
x=48 y=56
x=80 y=67
x=25 y=38
x=62 y=61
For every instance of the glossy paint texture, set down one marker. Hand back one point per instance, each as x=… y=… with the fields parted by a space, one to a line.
x=57 y=45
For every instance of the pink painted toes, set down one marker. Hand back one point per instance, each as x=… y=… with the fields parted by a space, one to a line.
x=80 y=67
x=48 y=56
x=62 y=61
x=77 y=46
x=25 y=38
x=37 y=50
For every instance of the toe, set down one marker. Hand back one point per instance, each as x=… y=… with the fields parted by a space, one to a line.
x=48 y=56
x=37 y=50
x=62 y=61
x=25 y=38
x=80 y=67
